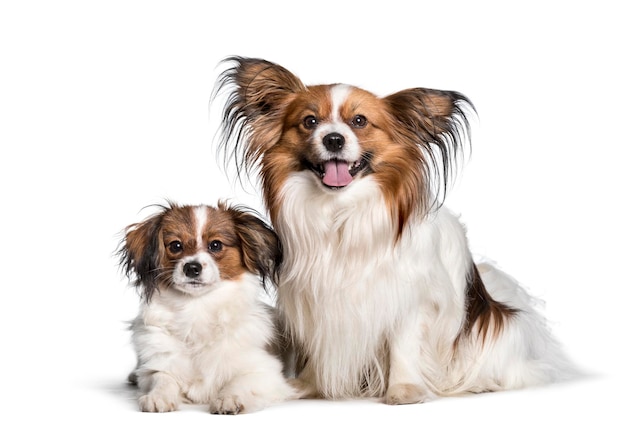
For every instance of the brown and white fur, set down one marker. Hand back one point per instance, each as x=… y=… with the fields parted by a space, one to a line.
x=378 y=288
x=202 y=334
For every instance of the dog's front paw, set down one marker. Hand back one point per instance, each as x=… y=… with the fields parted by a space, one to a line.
x=227 y=404
x=400 y=394
x=158 y=403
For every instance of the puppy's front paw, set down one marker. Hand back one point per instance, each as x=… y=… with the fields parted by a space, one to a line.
x=227 y=404
x=158 y=403
x=400 y=394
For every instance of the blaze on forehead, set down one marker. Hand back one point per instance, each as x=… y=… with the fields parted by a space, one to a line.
x=354 y=101
x=188 y=221
x=324 y=101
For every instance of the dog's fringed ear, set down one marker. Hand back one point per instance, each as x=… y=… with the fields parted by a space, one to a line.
x=139 y=254
x=261 y=248
x=258 y=93
x=437 y=123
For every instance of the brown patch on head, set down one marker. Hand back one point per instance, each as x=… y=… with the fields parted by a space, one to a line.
x=178 y=224
x=220 y=239
x=314 y=100
x=484 y=315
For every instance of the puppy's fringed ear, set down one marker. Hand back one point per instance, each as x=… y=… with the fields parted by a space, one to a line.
x=258 y=93
x=139 y=254
x=261 y=249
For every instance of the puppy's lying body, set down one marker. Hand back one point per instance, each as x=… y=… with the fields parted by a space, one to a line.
x=202 y=334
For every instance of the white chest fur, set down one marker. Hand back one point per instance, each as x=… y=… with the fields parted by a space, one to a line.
x=346 y=281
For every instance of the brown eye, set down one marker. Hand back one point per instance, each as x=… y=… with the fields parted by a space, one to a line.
x=310 y=121
x=215 y=246
x=175 y=247
x=359 y=121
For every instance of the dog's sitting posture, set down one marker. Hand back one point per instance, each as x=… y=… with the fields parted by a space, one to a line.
x=378 y=289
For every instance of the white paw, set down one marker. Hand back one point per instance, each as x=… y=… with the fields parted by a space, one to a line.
x=158 y=403
x=399 y=394
x=252 y=392
x=227 y=404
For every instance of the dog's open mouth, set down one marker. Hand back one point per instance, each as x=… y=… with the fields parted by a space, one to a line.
x=336 y=173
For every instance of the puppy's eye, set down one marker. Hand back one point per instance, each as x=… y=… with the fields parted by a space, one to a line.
x=175 y=246
x=359 y=121
x=310 y=121
x=215 y=246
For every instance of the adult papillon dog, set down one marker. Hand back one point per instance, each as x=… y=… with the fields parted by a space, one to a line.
x=378 y=289
x=203 y=335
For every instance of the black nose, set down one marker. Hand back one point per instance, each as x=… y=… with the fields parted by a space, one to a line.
x=192 y=269
x=334 y=141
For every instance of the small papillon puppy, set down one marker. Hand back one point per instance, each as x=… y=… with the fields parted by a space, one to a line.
x=379 y=292
x=203 y=335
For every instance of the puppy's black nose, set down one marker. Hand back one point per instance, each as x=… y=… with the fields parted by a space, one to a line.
x=334 y=141
x=192 y=269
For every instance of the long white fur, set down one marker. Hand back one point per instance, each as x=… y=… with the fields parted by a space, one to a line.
x=208 y=349
x=363 y=304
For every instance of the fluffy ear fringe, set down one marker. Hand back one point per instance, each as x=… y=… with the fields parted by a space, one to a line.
x=261 y=249
x=139 y=251
x=257 y=92
x=437 y=123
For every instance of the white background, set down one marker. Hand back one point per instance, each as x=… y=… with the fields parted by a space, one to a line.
x=104 y=109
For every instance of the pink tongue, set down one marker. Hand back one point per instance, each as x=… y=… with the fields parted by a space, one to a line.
x=336 y=174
